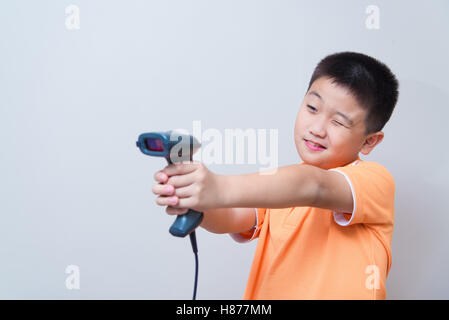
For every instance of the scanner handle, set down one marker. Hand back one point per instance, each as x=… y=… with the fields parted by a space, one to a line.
x=186 y=223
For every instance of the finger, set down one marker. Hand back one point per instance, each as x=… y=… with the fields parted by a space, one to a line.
x=163 y=189
x=160 y=176
x=180 y=168
x=167 y=201
x=171 y=210
x=184 y=192
x=182 y=180
x=186 y=203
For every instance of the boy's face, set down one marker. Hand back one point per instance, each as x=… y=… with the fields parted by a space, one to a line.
x=322 y=121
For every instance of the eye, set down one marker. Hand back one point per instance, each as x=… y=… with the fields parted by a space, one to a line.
x=338 y=122
x=311 y=108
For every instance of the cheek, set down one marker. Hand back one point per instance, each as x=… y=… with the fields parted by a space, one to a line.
x=340 y=140
x=300 y=121
x=298 y=131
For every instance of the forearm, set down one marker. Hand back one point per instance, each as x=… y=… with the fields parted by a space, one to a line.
x=289 y=186
x=229 y=220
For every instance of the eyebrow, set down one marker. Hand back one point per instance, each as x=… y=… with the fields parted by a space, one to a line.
x=337 y=112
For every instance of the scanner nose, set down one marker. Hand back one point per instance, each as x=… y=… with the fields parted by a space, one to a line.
x=154 y=144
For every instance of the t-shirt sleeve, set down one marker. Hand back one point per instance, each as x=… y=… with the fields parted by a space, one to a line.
x=372 y=188
x=255 y=231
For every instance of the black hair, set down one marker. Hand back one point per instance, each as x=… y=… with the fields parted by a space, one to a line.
x=370 y=81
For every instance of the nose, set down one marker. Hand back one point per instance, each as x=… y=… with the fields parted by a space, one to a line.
x=318 y=128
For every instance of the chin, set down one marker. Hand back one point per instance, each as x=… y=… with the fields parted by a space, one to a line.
x=307 y=159
x=311 y=160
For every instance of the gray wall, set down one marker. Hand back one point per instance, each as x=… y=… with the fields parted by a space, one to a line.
x=74 y=190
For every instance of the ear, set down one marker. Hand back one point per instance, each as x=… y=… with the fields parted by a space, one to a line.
x=371 y=141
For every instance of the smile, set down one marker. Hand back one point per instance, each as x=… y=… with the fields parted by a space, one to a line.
x=313 y=147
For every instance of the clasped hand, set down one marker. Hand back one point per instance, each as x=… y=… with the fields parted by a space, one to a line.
x=187 y=185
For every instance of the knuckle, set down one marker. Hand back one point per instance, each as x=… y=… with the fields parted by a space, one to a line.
x=194 y=202
x=171 y=181
x=202 y=175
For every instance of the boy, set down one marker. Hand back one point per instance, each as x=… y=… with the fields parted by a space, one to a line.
x=325 y=225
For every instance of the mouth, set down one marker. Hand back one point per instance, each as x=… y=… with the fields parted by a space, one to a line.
x=314 y=146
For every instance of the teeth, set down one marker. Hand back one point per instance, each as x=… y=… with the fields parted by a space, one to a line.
x=314 y=144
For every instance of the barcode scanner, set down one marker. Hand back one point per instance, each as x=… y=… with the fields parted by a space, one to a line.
x=175 y=147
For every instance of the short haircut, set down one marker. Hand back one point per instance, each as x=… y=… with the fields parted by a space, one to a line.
x=370 y=82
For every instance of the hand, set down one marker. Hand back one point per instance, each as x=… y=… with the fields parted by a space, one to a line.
x=188 y=185
x=166 y=194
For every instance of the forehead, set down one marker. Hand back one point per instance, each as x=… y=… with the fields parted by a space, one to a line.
x=335 y=98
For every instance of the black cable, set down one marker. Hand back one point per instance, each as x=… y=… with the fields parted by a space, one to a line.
x=196 y=276
x=195 y=251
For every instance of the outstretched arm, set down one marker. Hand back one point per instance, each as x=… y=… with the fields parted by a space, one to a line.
x=198 y=188
x=288 y=186
x=228 y=200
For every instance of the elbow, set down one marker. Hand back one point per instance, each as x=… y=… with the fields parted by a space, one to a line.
x=214 y=228
x=315 y=186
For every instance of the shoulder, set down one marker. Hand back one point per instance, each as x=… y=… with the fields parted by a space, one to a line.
x=364 y=189
x=373 y=169
x=369 y=179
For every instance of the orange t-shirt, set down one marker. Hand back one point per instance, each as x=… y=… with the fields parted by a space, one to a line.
x=314 y=253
